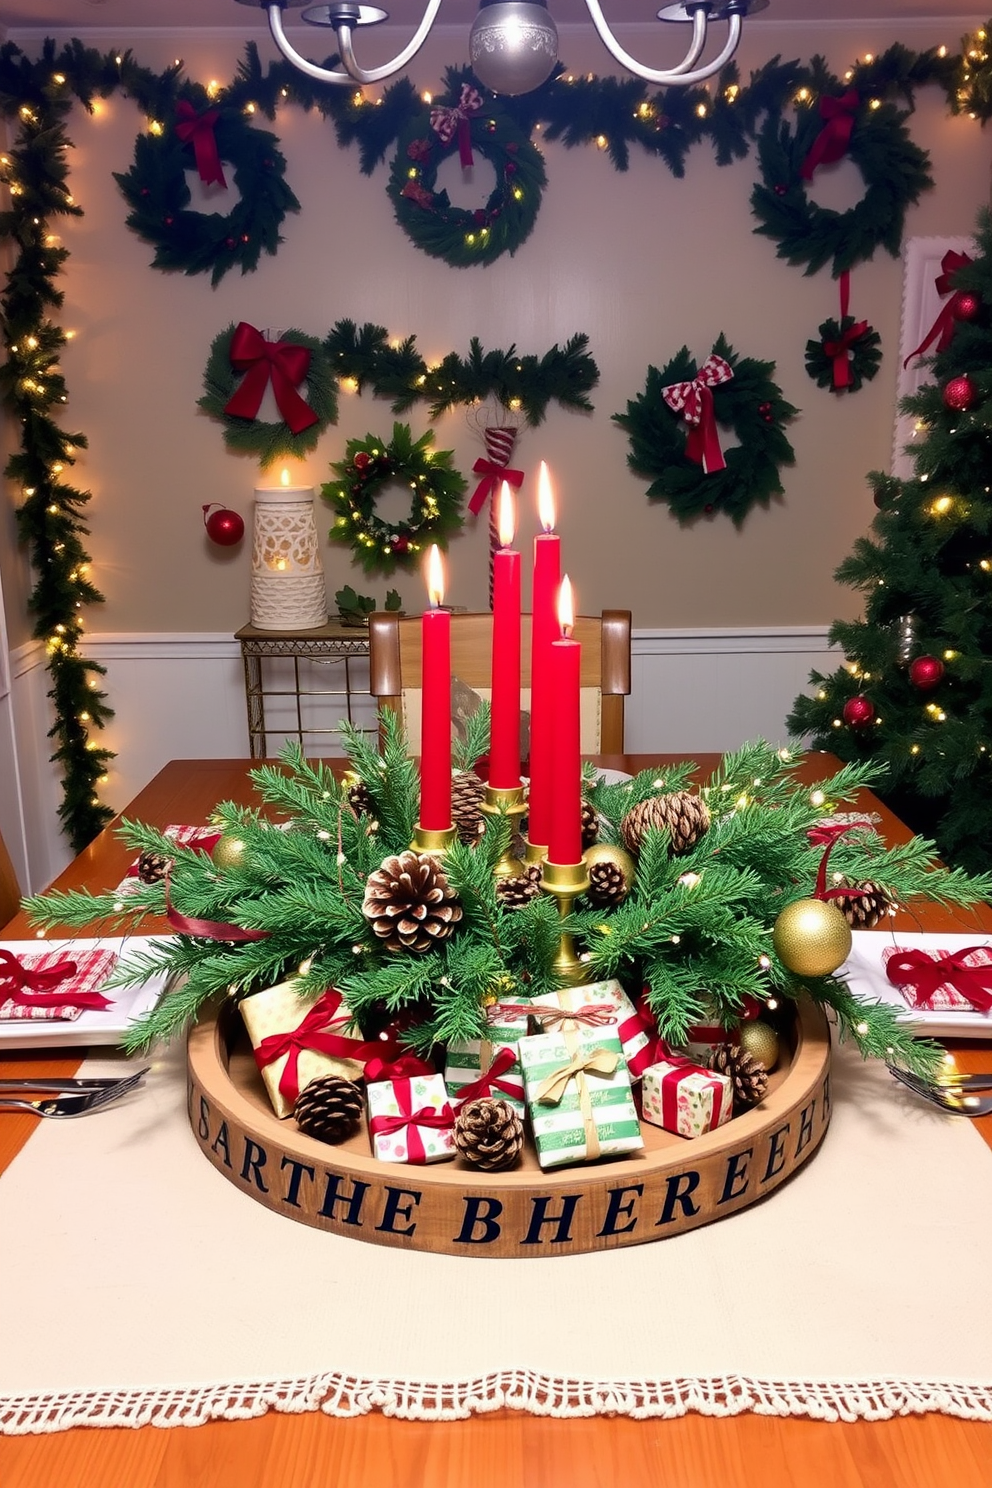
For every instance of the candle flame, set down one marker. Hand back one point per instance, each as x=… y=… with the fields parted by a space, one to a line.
x=435 y=576
x=545 y=498
x=566 y=609
x=507 y=517
x=284 y=477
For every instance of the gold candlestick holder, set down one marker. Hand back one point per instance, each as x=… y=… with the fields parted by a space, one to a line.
x=433 y=839
x=508 y=802
x=534 y=852
x=566 y=881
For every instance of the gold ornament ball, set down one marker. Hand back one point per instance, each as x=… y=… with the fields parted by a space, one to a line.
x=761 y=1042
x=812 y=938
x=229 y=851
x=606 y=852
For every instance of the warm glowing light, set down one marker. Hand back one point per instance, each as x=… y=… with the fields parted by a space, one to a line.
x=817 y=798
x=284 y=476
x=566 y=607
x=435 y=576
x=507 y=517
x=427 y=97
x=545 y=498
x=942 y=505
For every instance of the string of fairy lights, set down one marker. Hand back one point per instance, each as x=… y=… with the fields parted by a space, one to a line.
x=36 y=96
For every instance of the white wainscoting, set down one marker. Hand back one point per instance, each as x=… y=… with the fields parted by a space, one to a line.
x=182 y=696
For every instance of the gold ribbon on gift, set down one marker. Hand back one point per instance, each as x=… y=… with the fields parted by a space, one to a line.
x=581 y=1062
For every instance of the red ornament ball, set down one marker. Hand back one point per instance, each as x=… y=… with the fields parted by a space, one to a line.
x=966 y=304
x=925 y=672
x=224 y=527
x=858 y=711
x=400 y=543
x=363 y=460
x=959 y=394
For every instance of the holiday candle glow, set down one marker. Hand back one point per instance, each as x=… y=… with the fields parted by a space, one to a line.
x=435 y=736
x=545 y=630
x=504 y=752
x=565 y=837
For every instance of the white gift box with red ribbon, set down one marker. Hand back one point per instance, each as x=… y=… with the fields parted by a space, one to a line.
x=686 y=1099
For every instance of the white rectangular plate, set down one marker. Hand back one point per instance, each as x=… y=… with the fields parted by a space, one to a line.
x=91 y=1027
x=866 y=977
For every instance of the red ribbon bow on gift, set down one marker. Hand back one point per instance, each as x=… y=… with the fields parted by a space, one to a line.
x=441 y=1120
x=834 y=139
x=643 y=1020
x=842 y=376
x=285 y=362
x=392 y=1068
x=672 y=1079
x=198 y=130
x=592 y=1015
x=485 y=1085
x=446 y=121
x=27 y=988
x=943 y=327
x=315 y=1032
x=694 y=401
x=917 y=970
x=492 y=473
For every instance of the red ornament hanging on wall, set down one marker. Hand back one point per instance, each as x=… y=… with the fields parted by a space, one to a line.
x=858 y=711
x=959 y=394
x=224 y=527
x=925 y=672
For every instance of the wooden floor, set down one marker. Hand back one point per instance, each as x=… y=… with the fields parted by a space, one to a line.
x=504 y=1450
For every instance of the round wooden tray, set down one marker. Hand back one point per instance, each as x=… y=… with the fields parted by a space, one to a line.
x=674 y=1185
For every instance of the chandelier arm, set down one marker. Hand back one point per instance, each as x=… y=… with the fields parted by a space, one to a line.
x=322 y=74
x=674 y=74
x=354 y=73
x=700 y=20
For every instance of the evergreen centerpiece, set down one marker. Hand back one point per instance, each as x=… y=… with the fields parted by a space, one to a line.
x=321 y=896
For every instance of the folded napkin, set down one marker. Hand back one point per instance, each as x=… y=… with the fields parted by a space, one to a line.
x=942 y=980
x=32 y=987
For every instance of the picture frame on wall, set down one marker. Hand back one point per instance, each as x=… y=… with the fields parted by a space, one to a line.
x=921 y=304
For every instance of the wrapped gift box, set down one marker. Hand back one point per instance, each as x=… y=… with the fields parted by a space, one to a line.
x=411 y=1120
x=296 y=1041
x=968 y=973
x=635 y=1027
x=705 y=1037
x=490 y=1066
x=578 y=1095
x=686 y=1099
x=58 y=999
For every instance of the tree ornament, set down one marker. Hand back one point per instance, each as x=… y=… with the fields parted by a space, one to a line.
x=865 y=905
x=242 y=363
x=966 y=305
x=224 y=527
x=612 y=871
x=760 y=1041
x=329 y=1108
x=590 y=823
x=410 y=904
x=684 y=816
x=152 y=867
x=959 y=394
x=748 y=1076
x=858 y=711
x=229 y=852
x=926 y=672
x=517 y=892
x=811 y=938
x=906 y=627
x=467 y=795
x=679 y=456
x=435 y=507
x=488 y=1134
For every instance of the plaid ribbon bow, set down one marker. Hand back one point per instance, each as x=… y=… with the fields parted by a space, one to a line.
x=694 y=401
x=446 y=122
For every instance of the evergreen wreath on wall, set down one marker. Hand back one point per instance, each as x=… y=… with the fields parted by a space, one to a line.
x=675 y=442
x=241 y=365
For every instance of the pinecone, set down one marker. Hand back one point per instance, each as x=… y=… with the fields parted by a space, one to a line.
x=152 y=867
x=489 y=1134
x=514 y=893
x=748 y=1080
x=359 y=799
x=686 y=817
x=467 y=792
x=409 y=903
x=329 y=1108
x=607 y=884
x=590 y=824
x=864 y=905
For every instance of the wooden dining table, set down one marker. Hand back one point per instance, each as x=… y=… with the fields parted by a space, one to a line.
x=502 y=1449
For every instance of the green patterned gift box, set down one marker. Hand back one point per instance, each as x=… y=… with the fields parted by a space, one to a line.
x=638 y=1036
x=490 y=1066
x=578 y=1095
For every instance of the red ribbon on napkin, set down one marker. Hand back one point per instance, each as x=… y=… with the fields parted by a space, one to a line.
x=943 y=327
x=198 y=130
x=286 y=362
x=834 y=139
x=694 y=401
x=315 y=1032
x=27 y=988
x=484 y=1086
x=445 y=122
x=917 y=970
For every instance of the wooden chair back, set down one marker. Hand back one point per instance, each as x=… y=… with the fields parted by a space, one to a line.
x=10 y=889
x=395 y=667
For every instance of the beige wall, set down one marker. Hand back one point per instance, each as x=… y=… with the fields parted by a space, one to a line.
x=641 y=262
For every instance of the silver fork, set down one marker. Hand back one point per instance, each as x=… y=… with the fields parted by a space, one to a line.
x=73 y=1103
x=962 y=1104
x=73 y=1083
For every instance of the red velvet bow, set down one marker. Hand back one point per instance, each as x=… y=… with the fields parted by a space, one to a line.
x=485 y=1085
x=27 y=988
x=403 y=1068
x=445 y=121
x=387 y=1125
x=943 y=327
x=198 y=130
x=492 y=473
x=917 y=970
x=838 y=350
x=286 y=363
x=315 y=1032
x=694 y=401
x=834 y=138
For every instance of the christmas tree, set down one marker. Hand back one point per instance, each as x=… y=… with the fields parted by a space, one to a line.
x=915 y=690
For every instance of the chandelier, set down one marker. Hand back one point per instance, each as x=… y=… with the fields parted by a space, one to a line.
x=513 y=44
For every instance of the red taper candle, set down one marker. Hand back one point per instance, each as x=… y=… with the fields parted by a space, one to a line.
x=565 y=839
x=504 y=746
x=544 y=632
x=435 y=728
